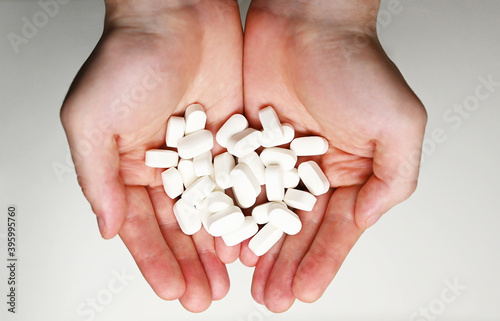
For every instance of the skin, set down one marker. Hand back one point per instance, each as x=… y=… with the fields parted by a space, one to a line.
x=178 y=54
x=318 y=63
x=321 y=66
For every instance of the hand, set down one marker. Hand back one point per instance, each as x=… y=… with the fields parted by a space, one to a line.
x=150 y=63
x=329 y=76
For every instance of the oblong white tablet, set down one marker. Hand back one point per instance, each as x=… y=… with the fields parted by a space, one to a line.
x=223 y=165
x=261 y=212
x=176 y=127
x=288 y=135
x=186 y=169
x=253 y=161
x=313 y=178
x=198 y=191
x=291 y=178
x=245 y=186
x=195 y=144
x=309 y=146
x=264 y=240
x=217 y=201
x=232 y=126
x=172 y=182
x=300 y=200
x=246 y=230
x=202 y=164
x=275 y=189
x=225 y=221
x=195 y=118
x=243 y=173
x=282 y=157
x=244 y=142
x=204 y=214
x=271 y=125
x=161 y=158
x=187 y=217
x=285 y=219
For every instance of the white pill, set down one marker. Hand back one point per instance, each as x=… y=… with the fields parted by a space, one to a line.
x=261 y=212
x=172 y=182
x=225 y=221
x=175 y=130
x=245 y=186
x=285 y=219
x=186 y=169
x=187 y=217
x=217 y=201
x=160 y=158
x=246 y=230
x=300 y=200
x=202 y=205
x=271 y=125
x=232 y=126
x=279 y=156
x=198 y=191
x=288 y=135
x=313 y=178
x=195 y=118
x=204 y=214
x=309 y=146
x=264 y=240
x=195 y=144
x=243 y=173
x=291 y=178
x=275 y=189
x=253 y=161
x=203 y=164
x=223 y=165
x=244 y=142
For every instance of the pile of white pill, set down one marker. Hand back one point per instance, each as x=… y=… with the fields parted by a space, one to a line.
x=201 y=181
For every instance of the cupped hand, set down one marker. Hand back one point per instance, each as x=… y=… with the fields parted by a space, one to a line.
x=330 y=77
x=148 y=65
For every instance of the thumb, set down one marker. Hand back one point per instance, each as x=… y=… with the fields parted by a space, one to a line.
x=96 y=159
x=396 y=164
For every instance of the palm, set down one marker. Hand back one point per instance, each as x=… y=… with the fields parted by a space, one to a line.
x=352 y=101
x=124 y=96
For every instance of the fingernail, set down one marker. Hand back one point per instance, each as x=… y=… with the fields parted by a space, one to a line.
x=102 y=226
x=372 y=220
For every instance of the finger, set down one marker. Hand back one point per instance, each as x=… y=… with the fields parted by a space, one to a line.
x=198 y=295
x=227 y=254
x=396 y=164
x=143 y=238
x=263 y=270
x=247 y=257
x=336 y=236
x=215 y=270
x=96 y=160
x=278 y=294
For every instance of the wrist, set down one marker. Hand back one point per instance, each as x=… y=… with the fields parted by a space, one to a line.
x=356 y=15
x=152 y=15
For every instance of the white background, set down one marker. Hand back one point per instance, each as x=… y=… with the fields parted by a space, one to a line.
x=448 y=230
